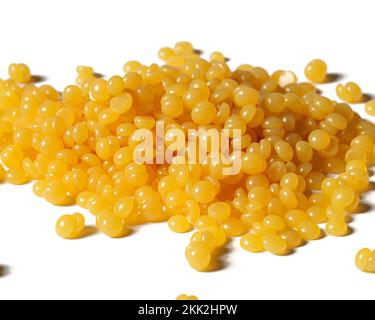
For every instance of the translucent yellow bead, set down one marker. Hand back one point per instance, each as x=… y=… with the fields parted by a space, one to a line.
x=124 y=207
x=349 y=92
x=295 y=217
x=317 y=213
x=274 y=244
x=111 y=225
x=204 y=237
x=304 y=151
x=233 y=227
x=275 y=102
x=219 y=211
x=70 y=226
x=274 y=222
x=203 y=113
x=56 y=193
x=319 y=139
x=172 y=105
x=183 y=47
x=284 y=150
x=217 y=56
x=316 y=71
x=244 y=95
x=121 y=104
x=292 y=238
x=204 y=222
x=362 y=258
x=203 y=191
x=337 y=227
x=12 y=156
x=19 y=72
x=252 y=243
x=16 y=176
x=342 y=197
x=253 y=163
x=179 y=224
x=288 y=198
x=99 y=91
x=289 y=180
x=309 y=230
x=220 y=237
x=185 y=297
x=198 y=256
x=73 y=96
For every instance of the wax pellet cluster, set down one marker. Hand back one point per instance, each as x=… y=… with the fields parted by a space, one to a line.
x=365 y=260
x=303 y=156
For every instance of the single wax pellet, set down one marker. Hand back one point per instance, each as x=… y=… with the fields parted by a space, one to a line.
x=362 y=258
x=342 y=197
x=111 y=225
x=219 y=211
x=198 y=256
x=274 y=244
x=252 y=243
x=319 y=139
x=309 y=230
x=185 y=297
x=179 y=224
x=70 y=226
x=316 y=71
x=337 y=227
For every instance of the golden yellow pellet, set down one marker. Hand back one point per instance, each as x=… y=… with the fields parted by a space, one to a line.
x=316 y=71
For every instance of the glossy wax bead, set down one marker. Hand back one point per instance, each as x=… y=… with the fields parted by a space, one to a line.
x=362 y=259
x=70 y=226
x=252 y=243
x=337 y=227
x=111 y=225
x=122 y=103
x=179 y=224
x=319 y=139
x=370 y=108
x=203 y=191
x=274 y=244
x=172 y=105
x=185 y=297
x=342 y=197
x=219 y=211
x=316 y=71
x=198 y=256
x=19 y=72
x=309 y=230
x=349 y=92
x=244 y=95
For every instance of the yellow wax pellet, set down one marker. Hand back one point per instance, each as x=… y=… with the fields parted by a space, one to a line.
x=124 y=207
x=179 y=224
x=219 y=211
x=274 y=244
x=319 y=139
x=252 y=243
x=316 y=71
x=362 y=259
x=198 y=255
x=70 y=226
x=111 y=225
x=309 y=230
x=122 y=103
x=185 y=297
x=349 y=92
x=203 y=191
x=19 y=72
x=337 y=227
x=342 y=197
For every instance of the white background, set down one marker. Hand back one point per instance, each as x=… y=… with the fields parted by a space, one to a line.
x=55 y=36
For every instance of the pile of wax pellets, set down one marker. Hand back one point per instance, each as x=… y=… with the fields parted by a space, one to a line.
x=303 y=157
